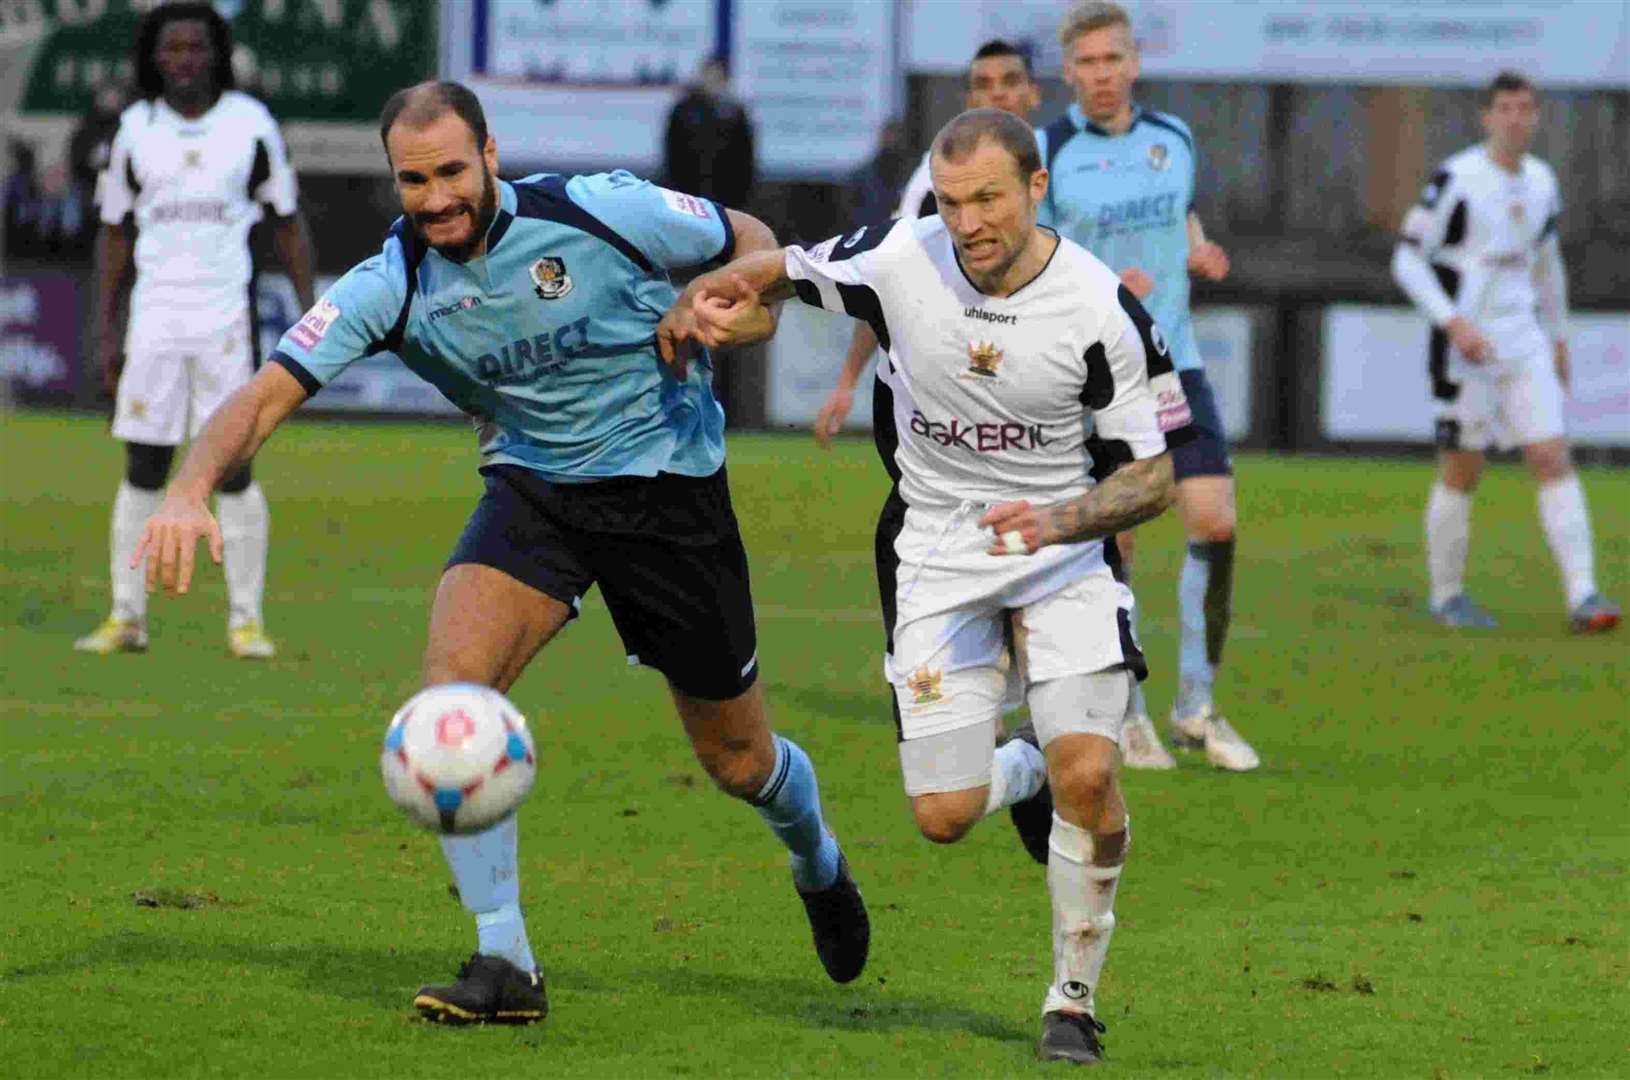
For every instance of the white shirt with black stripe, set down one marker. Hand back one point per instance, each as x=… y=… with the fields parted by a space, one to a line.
x=1481 y=232
x=194 y=189
x=997 y=398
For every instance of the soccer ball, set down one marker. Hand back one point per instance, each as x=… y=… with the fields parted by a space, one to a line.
x=458 y=758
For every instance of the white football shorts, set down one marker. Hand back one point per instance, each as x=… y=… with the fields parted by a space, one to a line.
x=1506 y=403
x=169 y=388
x=965 y=617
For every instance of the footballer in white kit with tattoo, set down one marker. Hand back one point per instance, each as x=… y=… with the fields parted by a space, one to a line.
x=1033 y=403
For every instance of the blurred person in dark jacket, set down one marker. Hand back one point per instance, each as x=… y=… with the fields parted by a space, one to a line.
x=708 y=150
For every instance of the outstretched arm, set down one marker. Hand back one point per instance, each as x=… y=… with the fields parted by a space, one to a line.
x=236 y=430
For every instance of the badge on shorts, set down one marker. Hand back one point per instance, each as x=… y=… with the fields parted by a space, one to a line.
x=925 y=686
x=550 y=276
x=983 y=359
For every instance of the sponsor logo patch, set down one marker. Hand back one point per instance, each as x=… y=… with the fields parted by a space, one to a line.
x=1171 y=405
x=314 y=324
x=680 y=203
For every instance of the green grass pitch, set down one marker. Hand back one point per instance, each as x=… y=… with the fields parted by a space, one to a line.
x=1427 y=878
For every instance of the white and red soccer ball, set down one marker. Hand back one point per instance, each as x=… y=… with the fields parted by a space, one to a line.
x=458 y=758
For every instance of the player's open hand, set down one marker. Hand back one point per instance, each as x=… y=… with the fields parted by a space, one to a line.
x=170 y=541
x=1137 y=282
x=1020 y=528
x=1467 y=341
x=829 y=421
x=1209 y=261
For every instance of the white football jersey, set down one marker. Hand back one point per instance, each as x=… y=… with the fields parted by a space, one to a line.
x=1028 y=396
x=1481 y=228
x=194 y=189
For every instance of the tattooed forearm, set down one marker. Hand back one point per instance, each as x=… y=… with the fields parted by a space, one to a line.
x=1132 y=494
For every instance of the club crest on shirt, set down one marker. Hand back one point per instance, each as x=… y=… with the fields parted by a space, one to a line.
x=193 y=159
x=925 y=686
x=1516 y=211
x=983 y=359
x=550 y=276
x=1160 y=158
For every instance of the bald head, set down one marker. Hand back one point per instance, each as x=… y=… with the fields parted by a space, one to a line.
x=958 y=139
x=422 y=104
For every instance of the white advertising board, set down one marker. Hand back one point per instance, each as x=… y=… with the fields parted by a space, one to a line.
x=1375 y=385
x=589 y=85
x=1434 y=42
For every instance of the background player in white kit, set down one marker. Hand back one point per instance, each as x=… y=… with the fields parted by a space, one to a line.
x=1480 y=257
x=191 y=166
x=1006 y=346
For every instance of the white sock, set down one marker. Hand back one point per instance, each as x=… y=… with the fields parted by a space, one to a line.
x=484 y=865
x=1083 y=916
x=1567 y=529
x=131 y=509
x=1448 y=531
x=245 y=527
x=1017 y=772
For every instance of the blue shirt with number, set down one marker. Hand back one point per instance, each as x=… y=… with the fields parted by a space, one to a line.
x=1126 y=199
x=548 y=340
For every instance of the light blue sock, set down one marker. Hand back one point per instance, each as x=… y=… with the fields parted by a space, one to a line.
x=1195 y=674
x=790 y=803
x=484 y=866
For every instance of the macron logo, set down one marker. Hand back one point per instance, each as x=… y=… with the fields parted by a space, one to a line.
x=466 y=304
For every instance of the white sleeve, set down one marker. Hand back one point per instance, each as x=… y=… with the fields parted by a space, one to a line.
x=843 y=274
x=1427 y=224
x=1550 y=277
x=1551 y=285
x=114 y=197
x=917 y=191
x=1414 y=275
x=279 y=190
x=1137 y=401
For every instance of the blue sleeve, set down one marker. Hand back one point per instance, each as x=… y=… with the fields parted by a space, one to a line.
x=670 y=228
x=354 y=318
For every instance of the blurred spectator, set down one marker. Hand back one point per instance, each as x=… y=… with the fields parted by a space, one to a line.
x=22 y=200
x=709 y=146
x=88 y=150
x=873 y=190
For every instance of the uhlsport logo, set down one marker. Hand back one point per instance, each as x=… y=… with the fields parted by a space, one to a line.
x=550 y=277
x=1075 y=991
x=983 y=359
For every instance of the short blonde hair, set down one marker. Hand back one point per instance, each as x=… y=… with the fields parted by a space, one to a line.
x=1093 y=15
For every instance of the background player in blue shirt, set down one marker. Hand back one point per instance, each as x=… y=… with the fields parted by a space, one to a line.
x=535 y=307
x=1122 y=186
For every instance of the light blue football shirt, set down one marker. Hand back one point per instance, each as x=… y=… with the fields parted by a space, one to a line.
x=549 y=339
x=1126 y=199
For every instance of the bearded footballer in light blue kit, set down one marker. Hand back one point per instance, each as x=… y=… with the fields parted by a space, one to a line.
x=1122 y=186
x=536 y=306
